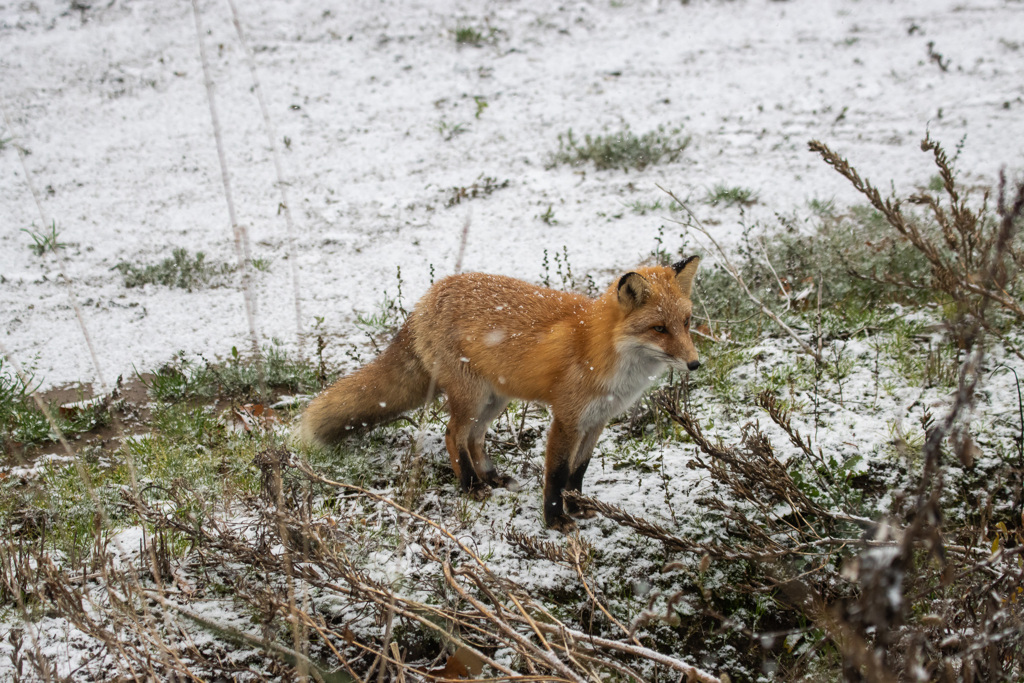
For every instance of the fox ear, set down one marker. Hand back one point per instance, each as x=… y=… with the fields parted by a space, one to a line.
x=685 y=272
x=634 y=290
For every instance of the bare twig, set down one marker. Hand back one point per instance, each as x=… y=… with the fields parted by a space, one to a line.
x=734 y=271
x=782 y=288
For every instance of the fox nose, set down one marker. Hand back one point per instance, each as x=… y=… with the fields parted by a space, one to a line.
x=693 y=365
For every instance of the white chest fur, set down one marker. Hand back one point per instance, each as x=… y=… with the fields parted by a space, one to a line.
x=637 y=370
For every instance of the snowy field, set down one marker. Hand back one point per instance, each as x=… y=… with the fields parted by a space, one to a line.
x=109 y=103
x=380 y=114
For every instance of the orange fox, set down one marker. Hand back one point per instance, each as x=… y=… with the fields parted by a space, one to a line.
x=486 y=339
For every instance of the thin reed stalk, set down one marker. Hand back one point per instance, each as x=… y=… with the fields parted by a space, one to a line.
x=61 y=261
x=285 y=205
x=243 y=251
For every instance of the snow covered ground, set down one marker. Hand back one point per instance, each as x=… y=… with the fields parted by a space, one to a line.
x=379 y=113
x=109 y=103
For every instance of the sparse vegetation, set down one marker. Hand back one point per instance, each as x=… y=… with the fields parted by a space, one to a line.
x=474 y=36
x=623 y=150
x=181 y=270
x=781 y=507
x=383 y=323
x=481 y=105
x=449 y=130
x=936 y=57
x=44 y=240
x=484 y=186
x=548 y=216
x=722 y=195
x=642 y=208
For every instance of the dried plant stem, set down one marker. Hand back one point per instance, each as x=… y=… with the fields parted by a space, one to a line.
x=243 y=251
x=692 y=672
x=61 y=261
x=282 y=184
x=544 y=654
x=102 y=386
x=388 y=624
x=778 y=280
x=575 y=554
x=463 y=239
x=289 y=655
x=738 y=277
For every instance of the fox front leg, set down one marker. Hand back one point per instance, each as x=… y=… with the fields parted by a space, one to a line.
x=578 y=467
x=566 y=460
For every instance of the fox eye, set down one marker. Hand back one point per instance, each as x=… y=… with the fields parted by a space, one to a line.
x=686 y=323
x=660 y=329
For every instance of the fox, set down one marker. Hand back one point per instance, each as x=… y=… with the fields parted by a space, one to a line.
x=484 y=340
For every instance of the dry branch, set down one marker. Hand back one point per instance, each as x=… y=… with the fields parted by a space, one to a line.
x=970 y=263
x=734 y=272
x=488 y=612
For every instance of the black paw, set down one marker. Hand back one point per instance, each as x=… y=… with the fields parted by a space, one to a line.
x=562 y=524
x=479 y=491
x=503 y=481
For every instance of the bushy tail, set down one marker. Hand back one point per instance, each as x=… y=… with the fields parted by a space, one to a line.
x=395 y=382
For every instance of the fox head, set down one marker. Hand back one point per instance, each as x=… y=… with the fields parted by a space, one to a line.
x=656 y=308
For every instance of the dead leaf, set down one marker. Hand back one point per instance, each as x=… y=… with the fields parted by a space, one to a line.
x=251 y=417
x=463 y=663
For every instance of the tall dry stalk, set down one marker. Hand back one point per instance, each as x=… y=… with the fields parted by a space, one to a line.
x=243 y=250
x=973 y=255
x=285 y=204
x=61 y=261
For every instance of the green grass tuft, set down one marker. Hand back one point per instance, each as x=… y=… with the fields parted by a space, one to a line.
x=44 y=240
x=181 y=270
x=237 y=377
x=472 y=36
x=731 y=196
x=624 y=149
x=22 y=423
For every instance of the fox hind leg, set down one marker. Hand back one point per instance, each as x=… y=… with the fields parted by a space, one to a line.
x=460 y=458
x=482 y=463
x=472 y=408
